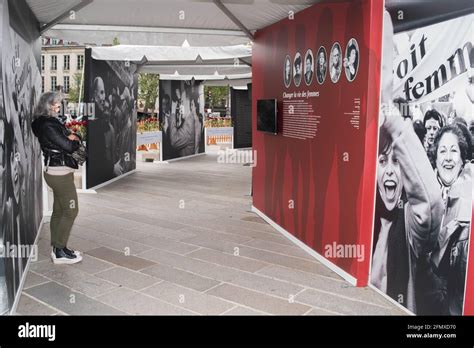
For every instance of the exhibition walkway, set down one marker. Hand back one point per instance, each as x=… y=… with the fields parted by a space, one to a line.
x=179 y=238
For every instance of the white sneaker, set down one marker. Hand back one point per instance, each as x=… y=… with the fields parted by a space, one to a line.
x=65 y=256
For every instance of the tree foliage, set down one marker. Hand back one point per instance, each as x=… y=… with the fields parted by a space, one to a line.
x=148 y=89
x=74 y=89
x=216 y=96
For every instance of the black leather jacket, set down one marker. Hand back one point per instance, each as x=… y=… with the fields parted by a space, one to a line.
x=53 y=138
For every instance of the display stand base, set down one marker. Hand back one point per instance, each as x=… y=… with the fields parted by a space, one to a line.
x=86 y=191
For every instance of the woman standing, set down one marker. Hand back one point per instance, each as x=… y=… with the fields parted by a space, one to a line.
x=57 y=144
x=443 y=278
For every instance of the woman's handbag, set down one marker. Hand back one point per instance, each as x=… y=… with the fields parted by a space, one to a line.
x=80 y=155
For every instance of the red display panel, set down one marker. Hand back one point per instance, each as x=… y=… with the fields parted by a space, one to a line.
x=316 y=177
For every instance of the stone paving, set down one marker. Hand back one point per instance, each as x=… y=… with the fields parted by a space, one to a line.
x=162 y=241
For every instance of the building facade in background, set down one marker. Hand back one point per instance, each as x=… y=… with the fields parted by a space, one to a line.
x=60 y=62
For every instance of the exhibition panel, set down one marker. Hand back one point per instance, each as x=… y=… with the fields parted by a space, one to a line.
x=241 y=111
x=360 y=118
x=423 y=202
x=315 y=176
x=182 y=118
x=20 y=155
x=318 y=122
x=112 y=87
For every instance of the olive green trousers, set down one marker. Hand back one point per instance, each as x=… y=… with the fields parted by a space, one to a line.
x=65 y=207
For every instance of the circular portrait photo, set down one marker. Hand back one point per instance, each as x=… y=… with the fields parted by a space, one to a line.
x=308 y=67
x=335 y=64
x=351 y=59
x=297 y=69
x=287 y=71
x=321 y=65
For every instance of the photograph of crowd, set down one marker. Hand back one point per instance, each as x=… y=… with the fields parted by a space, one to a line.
x=20 y=160
x=181 y=118
x=111 y=135
x=424 y=169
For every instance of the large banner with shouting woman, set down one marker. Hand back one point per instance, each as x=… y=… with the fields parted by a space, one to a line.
x=423 y=210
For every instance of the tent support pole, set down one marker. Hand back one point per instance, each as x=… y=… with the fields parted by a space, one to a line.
x=246 y=63
x=65 y=14
x=234 y=19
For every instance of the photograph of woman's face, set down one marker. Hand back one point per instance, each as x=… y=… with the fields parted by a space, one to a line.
x=389 y=179
x=308 y=66
x=432 y=127
x=322 y=59
x=352 y=56
x=448 y=158
x=335 y=56
x=297 y=69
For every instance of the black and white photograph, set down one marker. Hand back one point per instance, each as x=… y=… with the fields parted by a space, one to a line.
x=424 y=172
x=20 y=159
x=3 y=279
x=321 y=65
x=351 y=59
x=308 y=67
x=111 y=135
x=335 y=64
x=297 y=69
x=287 y=71
x=181 y=118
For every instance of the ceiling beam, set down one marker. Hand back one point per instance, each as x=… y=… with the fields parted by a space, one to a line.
x=233 y=18
x=188 y=65
x=135 y=29
x=245 y=62
x=65 y=14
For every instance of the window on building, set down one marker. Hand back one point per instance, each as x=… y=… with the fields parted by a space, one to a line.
x=66 y=84
x=80 y=62
x=53 y=83
x=42 y=62
x=42 y=84
x=66 y=62
x=54 y=62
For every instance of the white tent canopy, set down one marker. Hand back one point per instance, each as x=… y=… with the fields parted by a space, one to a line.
x=206 y=77
x=173 y=54
x=221 y=63
x=161 y=22
x=237 y=80
x=195 y=70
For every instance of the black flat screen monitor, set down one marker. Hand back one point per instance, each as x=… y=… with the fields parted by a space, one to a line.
x=267 y=115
